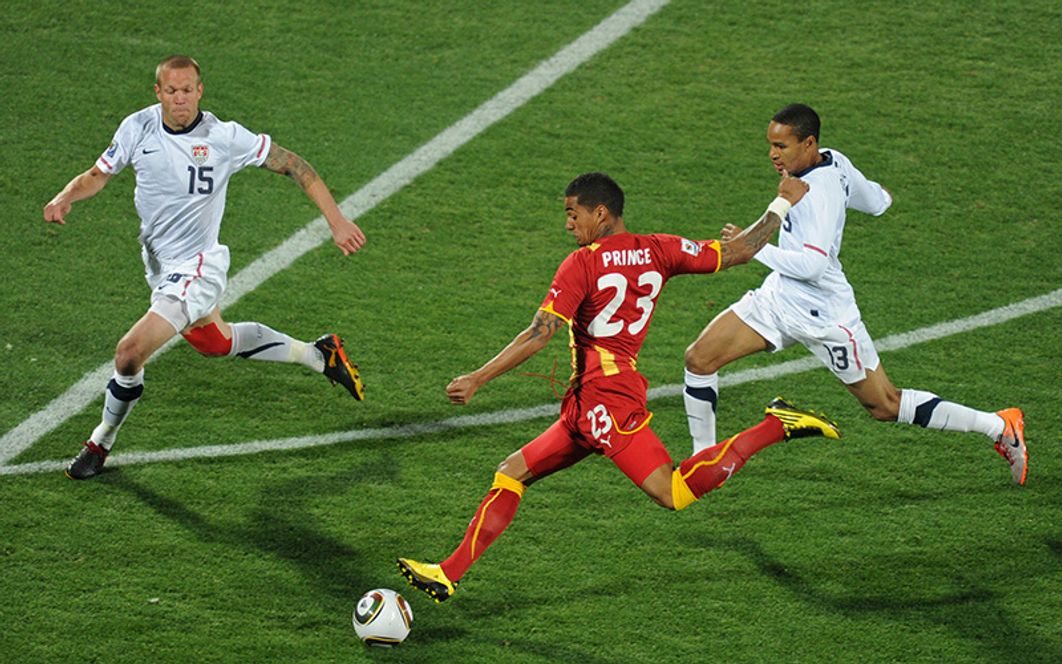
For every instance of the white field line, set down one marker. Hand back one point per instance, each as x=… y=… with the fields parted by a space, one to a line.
x=604 y=34
x=893 y=342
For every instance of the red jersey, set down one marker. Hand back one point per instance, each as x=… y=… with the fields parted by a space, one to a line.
x=607 y=291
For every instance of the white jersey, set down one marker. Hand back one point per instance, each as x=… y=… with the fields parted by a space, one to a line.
x=808 y=278
x=181 y=179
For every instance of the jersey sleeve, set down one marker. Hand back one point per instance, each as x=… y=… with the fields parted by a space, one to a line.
x=683 y=256
x=248 y=149
x=569 y=288
x=806 y=264
x=120 y=151
x=866 y=195
x=820 y=213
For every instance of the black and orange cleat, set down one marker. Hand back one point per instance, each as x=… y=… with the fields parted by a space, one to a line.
x=427 y=577
x=337 y=367
x=800 y=423
x=1011 y=443
x=88 y=462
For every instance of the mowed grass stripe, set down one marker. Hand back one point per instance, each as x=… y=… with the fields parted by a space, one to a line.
x=604 y=34
x=889 y=343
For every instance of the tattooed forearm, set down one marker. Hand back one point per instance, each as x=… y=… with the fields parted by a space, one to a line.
x=545 y=325
x=758 y=234
x=286 y=162
x=741 y=248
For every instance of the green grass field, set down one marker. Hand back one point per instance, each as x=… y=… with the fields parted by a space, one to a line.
x=894 y=544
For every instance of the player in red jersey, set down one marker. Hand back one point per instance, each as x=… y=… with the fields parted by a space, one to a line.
x=605 y=293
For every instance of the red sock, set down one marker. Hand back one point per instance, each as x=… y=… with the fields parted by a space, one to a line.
x=709 y=468
x=494 y=515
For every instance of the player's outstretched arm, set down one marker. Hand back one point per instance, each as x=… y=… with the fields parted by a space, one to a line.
x=522 y=347
x=348 y=237
x=85 y=185
x=738 y=246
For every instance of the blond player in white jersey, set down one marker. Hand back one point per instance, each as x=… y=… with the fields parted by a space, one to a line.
x=183 y=158
x=807 y=299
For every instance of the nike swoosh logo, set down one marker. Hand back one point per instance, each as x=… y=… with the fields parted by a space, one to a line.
x=150 y=151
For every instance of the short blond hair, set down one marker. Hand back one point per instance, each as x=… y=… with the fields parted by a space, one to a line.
x=178 y=62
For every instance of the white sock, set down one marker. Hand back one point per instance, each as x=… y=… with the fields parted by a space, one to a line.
x=930 y=411
x=255 y=341
x=121 y=395
x=701 y=395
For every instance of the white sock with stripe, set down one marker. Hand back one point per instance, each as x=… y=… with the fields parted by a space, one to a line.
x=254 y=341
x=121 y=395
x=700 y=396
x=930 y=411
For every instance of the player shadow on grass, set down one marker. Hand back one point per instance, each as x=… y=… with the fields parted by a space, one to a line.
x=812 y=491
x=279 y=525
x=972 y=611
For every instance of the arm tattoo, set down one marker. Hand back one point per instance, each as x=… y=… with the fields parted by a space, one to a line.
x=286 y=162
x=545 y=325
x=757 y=235
x=742 y=248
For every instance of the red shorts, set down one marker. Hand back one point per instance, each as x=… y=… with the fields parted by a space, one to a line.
x=606 y=417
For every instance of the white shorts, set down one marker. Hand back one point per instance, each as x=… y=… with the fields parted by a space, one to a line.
x=845 y=348
x=182 y=293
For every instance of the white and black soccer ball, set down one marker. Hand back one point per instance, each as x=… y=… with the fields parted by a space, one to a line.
x=382 y=618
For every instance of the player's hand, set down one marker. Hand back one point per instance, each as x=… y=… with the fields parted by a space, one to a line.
x=348 y=236
x=461 y=389
x=791 y=189
x=729 y=232
x=55 y=212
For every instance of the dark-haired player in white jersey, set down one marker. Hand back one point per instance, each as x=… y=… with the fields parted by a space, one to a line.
x=183 y=158
x=605 y=293
x=807 y=299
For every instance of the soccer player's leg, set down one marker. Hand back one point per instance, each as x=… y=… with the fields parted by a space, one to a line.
x=739 y=331
x=885 y=402
x=711 y=468
x=122 y=392
x=553 y=450
x=213 y=337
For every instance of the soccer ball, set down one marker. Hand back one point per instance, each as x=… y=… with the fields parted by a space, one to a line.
x=382 y=618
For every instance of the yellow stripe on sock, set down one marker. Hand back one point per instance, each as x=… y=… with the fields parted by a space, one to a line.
x=714 y=461
x=681 y=496
x=502 y=483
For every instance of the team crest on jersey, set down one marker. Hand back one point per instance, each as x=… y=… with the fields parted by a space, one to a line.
x=200 y=154
x=112 y=149
x=691 y=248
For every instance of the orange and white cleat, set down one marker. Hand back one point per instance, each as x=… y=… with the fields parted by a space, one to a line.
x=1011 y=443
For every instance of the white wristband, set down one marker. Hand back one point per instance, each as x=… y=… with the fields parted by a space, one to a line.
x=780 y=207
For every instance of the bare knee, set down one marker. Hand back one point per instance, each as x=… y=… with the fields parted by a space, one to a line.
x=515 y=466
x=700 y=362
x=658 y=486
x=505 y=467
x=666 y=501
x=128 y=357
